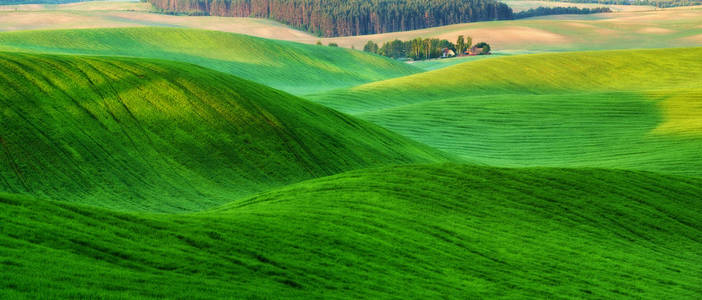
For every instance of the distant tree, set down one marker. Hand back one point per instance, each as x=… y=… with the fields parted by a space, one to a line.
x=371 y=47
x=484 y=46
x=446 y=44
x=333 y=45
x=469 y=42
x=460 y=45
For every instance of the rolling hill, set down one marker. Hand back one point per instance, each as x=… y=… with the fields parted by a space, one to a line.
x=293 y=67
x=138 y=134
x=394 y=232
x=612 y=109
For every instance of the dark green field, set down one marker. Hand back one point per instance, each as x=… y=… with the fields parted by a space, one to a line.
x=397 y=232
x=162 y=136
x=160 y=163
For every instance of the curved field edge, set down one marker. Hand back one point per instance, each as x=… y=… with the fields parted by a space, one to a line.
x=139 y=134
x=449 y=230
x=610 y=109
x=532 y=74
x=293 y=67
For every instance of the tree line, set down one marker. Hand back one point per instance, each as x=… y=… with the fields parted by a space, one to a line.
x=419 y=48
x=545 y=11
x=331 y=18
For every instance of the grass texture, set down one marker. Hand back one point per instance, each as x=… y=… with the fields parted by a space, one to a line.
x=293 y=67
x=613 y=109
x=141 y=134
x=426 y=231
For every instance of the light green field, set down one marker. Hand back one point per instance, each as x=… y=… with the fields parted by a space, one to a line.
x=614 y=109
x=435 y=64
x=522 y=5
x=292 y=67
x=163 y=136
x=402 y=232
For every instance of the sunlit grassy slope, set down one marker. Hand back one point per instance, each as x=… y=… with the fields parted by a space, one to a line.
x=155 y=135
x=400 y=232
x=638 y=109
x=293 y=67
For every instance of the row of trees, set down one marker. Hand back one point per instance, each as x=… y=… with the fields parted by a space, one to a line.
x=419 y=48
x=347 y=17
x=545 y=11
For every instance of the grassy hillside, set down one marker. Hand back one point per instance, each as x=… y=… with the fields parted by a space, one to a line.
x=156 y=135
x=618 y=109
x=292 y=67
x=405 y=232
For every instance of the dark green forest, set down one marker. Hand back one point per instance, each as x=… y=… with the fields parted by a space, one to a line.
x=347 y=17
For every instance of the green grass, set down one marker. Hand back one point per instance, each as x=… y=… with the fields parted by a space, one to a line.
x=435 y=64
x=156 y=177
x=613 y=109
x=137 y=134
x=293 y=67
x=427 y=231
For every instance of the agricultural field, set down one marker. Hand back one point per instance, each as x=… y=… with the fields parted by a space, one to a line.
x=679 y=27
x=522 y=5
x=464 y=231
x=293 y=67
x=153 y=156
x=111 y=131
x=549 y=109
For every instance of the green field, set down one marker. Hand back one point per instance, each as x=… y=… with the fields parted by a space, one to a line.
x=159 y=162
x=617 y=109
x=165 y=136
x=293 y=67
x=429 y=231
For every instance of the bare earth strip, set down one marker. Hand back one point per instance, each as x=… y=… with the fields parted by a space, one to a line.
x=522 y=5
x=81 y=6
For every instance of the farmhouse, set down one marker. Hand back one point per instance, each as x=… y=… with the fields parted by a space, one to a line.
x=446 y=52
x=474 y=51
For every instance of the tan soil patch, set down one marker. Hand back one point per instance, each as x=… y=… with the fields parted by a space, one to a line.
x=80 y=6
x=606 y=31
x=51 y=20
x=694 y=38
x=655 y=30
x=579 y=25
x=500 y=37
